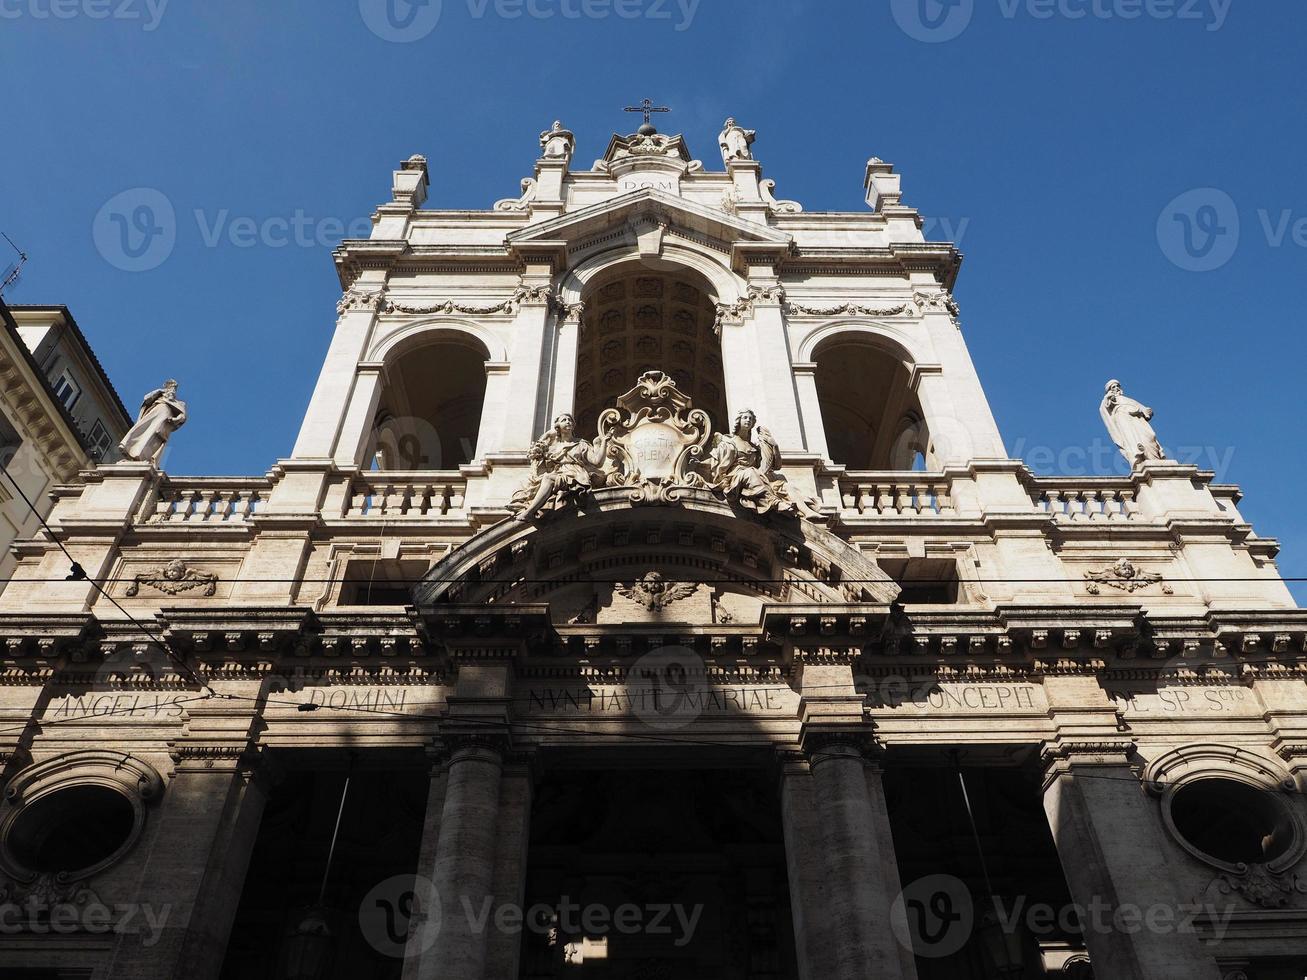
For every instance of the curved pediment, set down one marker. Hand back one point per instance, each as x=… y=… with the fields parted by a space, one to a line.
x=695 y=560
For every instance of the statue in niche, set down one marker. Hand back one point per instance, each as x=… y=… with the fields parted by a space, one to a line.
x=563 y=466
x=735 y=142
x=743 y=466
x=1129 y=424
x=162 y=414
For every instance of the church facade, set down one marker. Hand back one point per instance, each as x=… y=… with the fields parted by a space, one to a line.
x=649 y=594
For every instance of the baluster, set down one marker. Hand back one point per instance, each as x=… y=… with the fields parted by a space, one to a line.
x=1053 y=503
x=162 y=507
x=456 y=496
x=865 y=494
x=943 y=499
x=1129 y=504
x=885 y=498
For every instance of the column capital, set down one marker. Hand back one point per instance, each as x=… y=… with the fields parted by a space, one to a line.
x=821 y=746
x=1061 y=756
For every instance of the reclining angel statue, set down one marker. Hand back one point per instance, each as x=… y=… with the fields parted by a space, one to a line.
x=563 y=466
x=743 y=466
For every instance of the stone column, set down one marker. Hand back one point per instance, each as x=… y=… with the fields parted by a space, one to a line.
x=194 y=865
x=859 y=861
x=509 y=879
x=1109 y=839
x=854 y=854
x=464 y=868
x=814 y=942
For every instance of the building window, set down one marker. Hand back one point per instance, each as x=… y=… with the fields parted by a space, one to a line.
x=99 y=440
x=67 y=391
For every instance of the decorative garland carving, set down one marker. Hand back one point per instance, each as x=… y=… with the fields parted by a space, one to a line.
x=847 y=309
x=174 y=578
x=1258 y=884
x=1125 y=576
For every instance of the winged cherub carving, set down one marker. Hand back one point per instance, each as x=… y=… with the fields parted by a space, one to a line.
x=654 y=592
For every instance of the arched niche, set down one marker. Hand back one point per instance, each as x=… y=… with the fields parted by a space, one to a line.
x=431 y=400
x=871 y=416
x=641 y=318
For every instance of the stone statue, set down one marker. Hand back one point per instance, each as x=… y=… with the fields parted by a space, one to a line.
x=735 y=142
x=162 y=414
x=556 y=142
x=743 y=466
x=1127 y=422
x=563 y=466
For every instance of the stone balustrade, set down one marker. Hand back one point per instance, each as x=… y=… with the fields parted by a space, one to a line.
x=1086 y=498
x=206 y=500
x=891 y=494
x=379 y=495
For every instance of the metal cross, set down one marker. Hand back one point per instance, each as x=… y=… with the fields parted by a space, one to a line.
x=647 y=107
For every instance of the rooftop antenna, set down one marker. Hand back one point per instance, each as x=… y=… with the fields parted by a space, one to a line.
x=14 y=269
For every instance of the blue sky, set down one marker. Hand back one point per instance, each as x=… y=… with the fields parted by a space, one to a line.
x=1053 y=138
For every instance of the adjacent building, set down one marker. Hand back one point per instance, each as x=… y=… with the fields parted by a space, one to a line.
x=649 y=594
x=59 y=415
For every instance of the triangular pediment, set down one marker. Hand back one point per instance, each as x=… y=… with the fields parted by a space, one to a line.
x=580 y=226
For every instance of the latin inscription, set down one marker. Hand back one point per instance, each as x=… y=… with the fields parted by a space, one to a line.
x=635 y=700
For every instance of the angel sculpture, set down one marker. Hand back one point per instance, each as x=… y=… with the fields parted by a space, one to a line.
x=563 y=466
x=744 y=468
